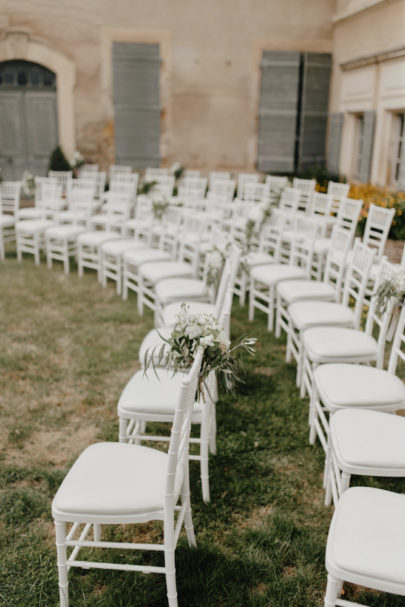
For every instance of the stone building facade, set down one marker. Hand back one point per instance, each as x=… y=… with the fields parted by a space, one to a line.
x=202 y=68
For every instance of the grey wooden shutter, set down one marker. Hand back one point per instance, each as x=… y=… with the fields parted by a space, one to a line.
x=314 y=109
x=136 y=103
x=278 y=111
x=42 y=129
x=13 y=159
x=367 y=147
x=334 y=141
x=401 y=172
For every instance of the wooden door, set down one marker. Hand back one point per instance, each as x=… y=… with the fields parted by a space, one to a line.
x=13 y=152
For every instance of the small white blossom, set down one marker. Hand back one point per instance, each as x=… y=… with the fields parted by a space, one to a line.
x=256 y=215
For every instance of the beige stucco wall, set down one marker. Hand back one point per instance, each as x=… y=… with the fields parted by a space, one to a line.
x=210 y=65
x=368 y=74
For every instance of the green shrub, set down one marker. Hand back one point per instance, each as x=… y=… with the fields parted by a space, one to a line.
x=58 y=161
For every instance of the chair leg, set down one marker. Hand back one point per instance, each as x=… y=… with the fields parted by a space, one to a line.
x=188 y=519
x=270 y=314
x=251 y=301
x=170 y=565
x=213 y=430
x=60 y=529
x=97 y=532
x=332 y=591
x=204 y=449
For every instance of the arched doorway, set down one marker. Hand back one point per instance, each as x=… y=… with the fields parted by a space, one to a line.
x=28 y=118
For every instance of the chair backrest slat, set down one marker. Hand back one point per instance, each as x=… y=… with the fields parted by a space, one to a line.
x=356 y=280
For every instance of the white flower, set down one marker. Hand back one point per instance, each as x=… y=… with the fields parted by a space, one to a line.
x=214 y=260
x=175 y=167
x=77 y=159
x=256 y=215
x=193 y=331
x=207 y=341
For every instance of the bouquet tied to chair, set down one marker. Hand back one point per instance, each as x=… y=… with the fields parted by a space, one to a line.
x=191 y=331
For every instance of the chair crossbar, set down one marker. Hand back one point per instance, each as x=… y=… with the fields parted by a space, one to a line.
x=119 y=567
x=118 y=545
x=344 y=603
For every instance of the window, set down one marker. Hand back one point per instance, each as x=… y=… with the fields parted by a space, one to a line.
x=398 y=146
x=362 y=146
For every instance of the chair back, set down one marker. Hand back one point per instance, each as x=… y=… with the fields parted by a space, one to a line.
x=180 y=433
x=320 y=204
x=306 y=188
x=192 y=188
x=256 y=192
x=10 y=192
x=336 y=259
x=289 y=200
x=88 y=168
x=81 y=184
x=398 y=345
x=271 y=234
x=191 y=173
x=228 y=278
x=39 y=182
x=222 y=188
x=63 y=179
x=51 y=196
x=275 y=182
x=380 y=320
x=164 y=185
x=125 y=183
x=302 y=249
x=118 y=169
x=153 y=173
x=337 y=191
x=378 y=225
x=118 y=205
x=357 y=276
x=243 y=179
x=348 y=214
x=217 y=175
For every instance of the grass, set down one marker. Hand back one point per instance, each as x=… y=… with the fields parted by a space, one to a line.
x=68 y=348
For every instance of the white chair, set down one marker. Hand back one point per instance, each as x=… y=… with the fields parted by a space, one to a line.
x=334 y=344
x=192 y=189
x=222 y=190
x=163 y=186
x=191 y=173
x=88 y=249
x=338 y=191
x=329 y=289
x=9 y=204
x=98 y=178
x=308 y=316
x=30 y=237
x=289 y=201
x=243 y=179
x=366 y=544
x=36 y=211
x=88 y=168
x=152 y=173
x=256 y=192
x=307 y=189
x=118 y=169
x=111 y=259
x=132 y=261
x=81 y=205
x=214 y=175
x=63 y=178
x=141 y=224
x=265 y=278
x=118 y=483
x=115 y=212
x=61 y=243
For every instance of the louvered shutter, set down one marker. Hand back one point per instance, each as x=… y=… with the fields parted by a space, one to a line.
x=12 y=141
x=401 y=173
x=42 y=129
x=136 y=103
x=278 y=111
x=334 y=141
x=314 y=109
x=367 y=147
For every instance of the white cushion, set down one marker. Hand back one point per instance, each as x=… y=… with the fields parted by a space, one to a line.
x=155 y=271
x=150 y=393
x=118 y=247
x=30 y=213
x=171 y=310
x=115 y=479
x=345 y=385
x=176 y=289
x=311 y=313
x=299 y=290
x=30 y=226
x=137 y=257
x=257 y=258
x=64 y=231
x=369 y=439
x=72 y=216
x=335 y=344
x=322 y=245
x=367 y=536
x=272 y=274
x=94 y=239
x=7 y=221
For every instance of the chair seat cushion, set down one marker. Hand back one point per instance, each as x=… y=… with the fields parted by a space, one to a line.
x=115 y=479
x=275 y=273
x=369 y=440
x=72 y=216
x=30 y=213
x=299 y=290
x=154 y=271
x=345 y=385
x=96 y=238
x=7 y=221
x=367 y=536
x=30 y=226
x=305 y=314
x=155 y=393
x=257 y=258
x=181 y=289
x=136 y=257
x=335 y=344
x=170 y=311
x=118 y=247
x=64 y=231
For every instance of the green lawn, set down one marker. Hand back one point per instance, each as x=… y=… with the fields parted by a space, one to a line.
x=67 y=349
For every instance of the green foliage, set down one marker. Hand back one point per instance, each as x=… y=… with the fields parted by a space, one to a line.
x=321 y=174
x=58 y=161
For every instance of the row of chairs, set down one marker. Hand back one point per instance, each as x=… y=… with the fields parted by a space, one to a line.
x=351 y=402
x=96 y=491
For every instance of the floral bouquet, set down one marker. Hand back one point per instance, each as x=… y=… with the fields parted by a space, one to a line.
x=177 y=170
x=214 y=262
x=77 y=160
x=159 y=206
x=146 y=186
x=28 y=184
x=389 y=289
x=189 y=333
